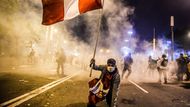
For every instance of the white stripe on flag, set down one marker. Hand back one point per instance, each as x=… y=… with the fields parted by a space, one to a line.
x=71 y=9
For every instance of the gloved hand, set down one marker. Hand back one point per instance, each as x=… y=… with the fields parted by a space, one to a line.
x=92 y=62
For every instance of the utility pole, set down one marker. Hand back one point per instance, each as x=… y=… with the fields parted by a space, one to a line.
x=172 y=36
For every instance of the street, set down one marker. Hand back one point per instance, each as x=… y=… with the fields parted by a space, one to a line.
x=170 y=95
x=73 y=92
x=137 y=51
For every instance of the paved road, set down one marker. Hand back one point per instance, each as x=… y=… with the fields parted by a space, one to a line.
x=74 y=93
x=160 y=95
x=25 y=78
x=13 y=85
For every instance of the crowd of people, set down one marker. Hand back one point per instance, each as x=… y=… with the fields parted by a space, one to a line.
x=107 y=85
x=182 y=63
x=161 y=65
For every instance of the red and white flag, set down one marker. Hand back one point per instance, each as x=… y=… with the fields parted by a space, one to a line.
x=59 y=10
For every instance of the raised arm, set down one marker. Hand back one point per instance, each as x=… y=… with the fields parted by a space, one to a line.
x=96 y=67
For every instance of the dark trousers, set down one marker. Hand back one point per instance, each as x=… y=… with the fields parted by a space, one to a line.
x=188 y=74
x=126 y=68
x=181 y=72
x=109 y=98
x=180 y=76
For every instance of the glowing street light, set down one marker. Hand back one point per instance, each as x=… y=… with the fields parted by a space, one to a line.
x=150 y=53
x=76 y=53
x=64 y=41
x=101 y=50
x=55 y=30
x=188 y=34
x=169 y=42
x=126 y=40
x=130 y=32
x=126 y=50
x=107 y=51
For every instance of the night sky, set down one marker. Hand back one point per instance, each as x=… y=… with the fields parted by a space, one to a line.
x=150 y=14
x=156 y=13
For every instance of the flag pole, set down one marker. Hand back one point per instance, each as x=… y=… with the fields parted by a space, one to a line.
x=97 y=37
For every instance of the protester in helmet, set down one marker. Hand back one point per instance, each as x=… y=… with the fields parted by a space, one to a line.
x=106 y=86
x=162 y=68
x=187 y=60
x=182 y=62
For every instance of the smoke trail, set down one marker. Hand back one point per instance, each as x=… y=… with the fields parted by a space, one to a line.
x=76 y=36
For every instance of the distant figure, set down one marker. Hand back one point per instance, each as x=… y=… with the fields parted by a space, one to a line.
x=182 y=67
x=31 y=56
x=162 y=68
x=60 y=62
x=187 y=72
x=128 y=61
x=152 y=65
x=188 y=65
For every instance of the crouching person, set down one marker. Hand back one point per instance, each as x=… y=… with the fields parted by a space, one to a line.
x=106 y=86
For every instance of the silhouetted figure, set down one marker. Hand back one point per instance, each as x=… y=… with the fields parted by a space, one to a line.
x=128 y=61
x=31 y=56
x=152 y=65
x=182 y=67
x=60 y=62
x=162 y=68
x=187 y=72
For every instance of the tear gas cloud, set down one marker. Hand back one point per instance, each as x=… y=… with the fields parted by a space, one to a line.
x=22 y=31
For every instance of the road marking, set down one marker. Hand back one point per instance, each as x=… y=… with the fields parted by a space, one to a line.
x=138 y=86
x=20 y=99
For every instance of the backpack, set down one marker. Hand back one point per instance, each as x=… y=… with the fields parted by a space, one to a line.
x=164 y=63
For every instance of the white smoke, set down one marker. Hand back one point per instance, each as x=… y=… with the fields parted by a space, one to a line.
x=23 y=26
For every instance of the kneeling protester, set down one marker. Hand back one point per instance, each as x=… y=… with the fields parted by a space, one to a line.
x=106 y=86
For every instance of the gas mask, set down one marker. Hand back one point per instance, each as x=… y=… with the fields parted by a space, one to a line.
x=110 y=68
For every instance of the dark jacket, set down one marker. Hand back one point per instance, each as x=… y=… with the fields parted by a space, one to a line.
x=111 y=98
x=128 y=60
x=182 y=64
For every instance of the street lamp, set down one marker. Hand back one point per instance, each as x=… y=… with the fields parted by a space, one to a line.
x=126 y=50
x=130 y=32
x=172 y=35
x=101 y=50
x=126 y=40
x=64 y=41
x=188 y=34
x=107 y=51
